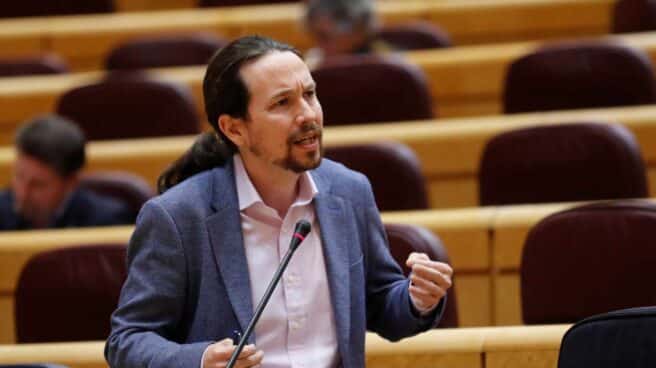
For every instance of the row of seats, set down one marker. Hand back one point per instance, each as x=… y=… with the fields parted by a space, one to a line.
x=80 y=285
x=554 y=78
x=546 y=164
x=564 y=279
x=197 y=48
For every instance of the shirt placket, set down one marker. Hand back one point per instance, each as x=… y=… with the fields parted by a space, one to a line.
x=294 y=300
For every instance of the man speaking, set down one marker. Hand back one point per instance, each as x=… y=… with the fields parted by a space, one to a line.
x=204 y=251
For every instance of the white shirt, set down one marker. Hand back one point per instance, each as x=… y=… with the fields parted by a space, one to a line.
x=297 y=328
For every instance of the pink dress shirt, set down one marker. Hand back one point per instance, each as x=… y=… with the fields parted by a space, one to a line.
x=297 y=328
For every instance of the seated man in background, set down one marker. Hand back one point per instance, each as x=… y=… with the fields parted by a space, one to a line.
x=342 y=27
x=50 y=153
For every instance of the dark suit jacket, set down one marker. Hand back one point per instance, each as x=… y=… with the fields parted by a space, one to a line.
x=83 y=209
x=188 y=282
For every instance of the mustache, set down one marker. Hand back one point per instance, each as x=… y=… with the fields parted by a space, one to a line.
x=304 y=130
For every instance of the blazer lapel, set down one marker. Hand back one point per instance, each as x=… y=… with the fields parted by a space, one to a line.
x=332 y=218
x=224 y=228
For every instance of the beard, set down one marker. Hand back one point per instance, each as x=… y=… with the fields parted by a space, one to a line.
x=299 y=163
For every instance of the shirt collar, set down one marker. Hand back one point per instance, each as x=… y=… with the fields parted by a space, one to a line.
x=248 y=195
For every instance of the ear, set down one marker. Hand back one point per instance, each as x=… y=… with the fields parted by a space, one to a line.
x=234 y=129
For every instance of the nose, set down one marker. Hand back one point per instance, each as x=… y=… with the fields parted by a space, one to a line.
x=307 y=113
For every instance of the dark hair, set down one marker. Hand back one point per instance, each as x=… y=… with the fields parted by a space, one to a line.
x=224 y=92
x=55 y=141
x=348 y=14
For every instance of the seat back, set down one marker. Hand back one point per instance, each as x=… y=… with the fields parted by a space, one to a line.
x=414 y=36
x=68 y=294
x=33 y=65
x=634 y=16
x=618 y=339
x=588 y=260
x=405 y=239
x=393 y=170
x=131 y=106
x=164 y=51
x=355 y=89
x=579 y=75
x=569 y=162
x=33 y=8
x=121 y=185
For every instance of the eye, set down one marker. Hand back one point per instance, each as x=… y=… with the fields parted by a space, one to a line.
x=281 y=102
x=310 y=93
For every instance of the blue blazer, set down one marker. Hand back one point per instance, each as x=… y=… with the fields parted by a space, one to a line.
x=188 y=283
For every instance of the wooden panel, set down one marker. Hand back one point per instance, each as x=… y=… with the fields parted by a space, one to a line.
x=467 y=22
x=7 y=325
x=507 y=300
x=522 y=359
x=464 y=347
x=72 y=355
x=474 y=297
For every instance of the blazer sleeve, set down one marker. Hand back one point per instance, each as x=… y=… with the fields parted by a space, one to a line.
x=390 y=312
x=152 y=300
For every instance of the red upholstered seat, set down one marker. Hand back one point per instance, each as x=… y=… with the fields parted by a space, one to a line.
x=634 y=16
x=164 y=51
x=405 y=239
x=131 y=106
x=357 y=89
x=124 y=186
x=32 y=65
x=414 y=36
x=579 y=75
x=569 y=162
x=31 y=8
x=68 y=294
x=589 y=260
x=393 y=170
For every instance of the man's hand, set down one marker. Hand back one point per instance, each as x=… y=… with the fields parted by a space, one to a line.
x=429 y=281
x=218 y=354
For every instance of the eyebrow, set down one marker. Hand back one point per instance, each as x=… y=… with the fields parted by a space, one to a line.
x=286 y=91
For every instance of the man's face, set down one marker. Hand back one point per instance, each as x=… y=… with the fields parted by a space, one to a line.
x=284 y=125
x=335 y=39
x=38 y=189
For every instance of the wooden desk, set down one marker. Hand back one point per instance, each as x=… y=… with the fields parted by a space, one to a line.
x=449 y=150
x=85 y=40
x=508 y=347
x=463 y=231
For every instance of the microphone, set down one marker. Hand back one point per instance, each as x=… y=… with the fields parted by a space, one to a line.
x=300 y=232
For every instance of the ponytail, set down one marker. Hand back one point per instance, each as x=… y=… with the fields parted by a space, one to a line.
x=206 y=153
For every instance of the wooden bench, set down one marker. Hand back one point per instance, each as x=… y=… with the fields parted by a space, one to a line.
x=465 y=81
x=85 y=40
x=449 y=150
x=507 y=347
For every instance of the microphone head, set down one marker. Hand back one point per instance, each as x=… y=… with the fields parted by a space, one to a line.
x=301 y=230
